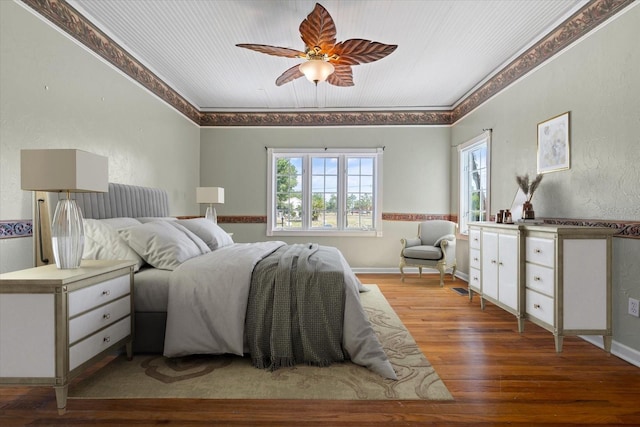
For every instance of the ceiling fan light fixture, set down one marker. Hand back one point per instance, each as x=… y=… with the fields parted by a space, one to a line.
x=317 y=70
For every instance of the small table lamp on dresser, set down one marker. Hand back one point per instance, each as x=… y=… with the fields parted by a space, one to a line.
x=210 y=195
x=65 y=170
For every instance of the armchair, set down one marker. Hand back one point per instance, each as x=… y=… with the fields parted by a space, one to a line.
x=434 y=247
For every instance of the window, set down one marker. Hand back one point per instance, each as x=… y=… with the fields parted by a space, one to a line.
x=474 y=170
x=324 y=192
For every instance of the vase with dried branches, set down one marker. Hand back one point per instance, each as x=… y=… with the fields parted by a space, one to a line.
x=528 y=188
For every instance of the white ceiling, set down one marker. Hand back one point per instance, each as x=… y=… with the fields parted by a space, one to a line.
x=446 y=48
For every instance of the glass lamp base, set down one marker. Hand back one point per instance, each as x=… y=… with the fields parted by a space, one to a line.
x=211 y=214
x=67 y=235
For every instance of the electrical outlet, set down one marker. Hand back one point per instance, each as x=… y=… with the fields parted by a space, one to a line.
x=634 y=307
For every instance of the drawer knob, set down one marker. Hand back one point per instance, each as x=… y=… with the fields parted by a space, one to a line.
x=107 y=316
x=536 y=305
x=500 y=263
x=475 y=239
x=107 y=339
x=475 y=259
x=107 y=292
x=536 y=278
x=538 y=251
x=493 y=261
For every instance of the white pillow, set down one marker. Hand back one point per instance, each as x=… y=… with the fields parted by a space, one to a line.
x=162 y=244
x=214 y=236
x=145 y=219
x=101 y=241
x=120 y=222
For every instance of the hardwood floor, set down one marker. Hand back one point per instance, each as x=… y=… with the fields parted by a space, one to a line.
x=496 y=376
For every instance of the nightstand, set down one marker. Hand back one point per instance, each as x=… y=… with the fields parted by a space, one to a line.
x=55 y=323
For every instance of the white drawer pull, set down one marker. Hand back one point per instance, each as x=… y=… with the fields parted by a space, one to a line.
x=493 y=261
x=107 y=339
x=475 y=259
x=106 y=292
x=475 y=279
x=536 y=278
x=538 y=251
x=107 y=316
x=536 y=305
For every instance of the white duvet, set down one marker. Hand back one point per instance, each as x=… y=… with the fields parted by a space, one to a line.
x=208 y=298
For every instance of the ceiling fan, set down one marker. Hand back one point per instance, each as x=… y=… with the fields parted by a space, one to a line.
x=326 y=59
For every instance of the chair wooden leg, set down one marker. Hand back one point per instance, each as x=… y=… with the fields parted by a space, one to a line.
x=402 y=264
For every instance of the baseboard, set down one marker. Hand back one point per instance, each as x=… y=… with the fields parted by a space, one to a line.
x=407 y=270
x=625 y=353
x=392 y=270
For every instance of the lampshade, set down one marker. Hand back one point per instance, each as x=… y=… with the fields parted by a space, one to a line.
x=57 y=170
x=317 y=70
x=210 y=195
x=65 y=170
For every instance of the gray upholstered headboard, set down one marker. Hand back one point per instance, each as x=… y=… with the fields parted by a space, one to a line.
x=120 y=201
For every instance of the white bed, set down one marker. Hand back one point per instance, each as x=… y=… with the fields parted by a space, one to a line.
x=193 y=282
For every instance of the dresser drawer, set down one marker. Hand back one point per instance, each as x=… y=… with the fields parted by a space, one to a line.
x=474 y=279
x=88 y=323
x=85 y=350
x=540 y=251
x=540 y=278
x=474 y=239
x=540 y=306
x=474 y=258
x=101 y=293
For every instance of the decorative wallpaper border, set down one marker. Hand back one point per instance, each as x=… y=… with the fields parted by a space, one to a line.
x=16 y=228
x=582 y=22
x=242 y=219
x=327 y=118
x=417 y=217
x=630 y=229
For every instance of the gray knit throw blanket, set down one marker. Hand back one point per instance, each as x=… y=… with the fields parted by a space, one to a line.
x=296 y=308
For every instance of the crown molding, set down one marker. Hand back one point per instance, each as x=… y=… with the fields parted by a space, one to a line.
x=64 y=16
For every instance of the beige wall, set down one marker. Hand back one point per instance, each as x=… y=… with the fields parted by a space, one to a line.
x=598 y=82
x=55 y=94
x=415 y=179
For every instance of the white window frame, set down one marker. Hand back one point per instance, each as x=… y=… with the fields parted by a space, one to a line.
x=274 y=153
x=464 y=176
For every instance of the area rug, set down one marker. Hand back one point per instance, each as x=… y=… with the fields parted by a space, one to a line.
x=233 y=377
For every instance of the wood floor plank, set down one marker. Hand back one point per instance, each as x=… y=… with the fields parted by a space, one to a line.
x=496 y=376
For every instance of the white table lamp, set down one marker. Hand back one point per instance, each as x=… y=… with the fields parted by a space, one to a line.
x=210 y=195
x=70 y=171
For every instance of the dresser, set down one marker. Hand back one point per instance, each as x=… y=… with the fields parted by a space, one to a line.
x=568 y=280
x=496 y=268
x=556 y=276
x=54 y=323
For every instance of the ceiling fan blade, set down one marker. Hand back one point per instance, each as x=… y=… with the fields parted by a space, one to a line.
x=289 y=75
x=273 y=50
x=359 y=51
x=319 y=30
x=342 y=76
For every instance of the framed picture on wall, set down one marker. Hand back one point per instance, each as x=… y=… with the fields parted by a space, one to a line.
x=553 y=144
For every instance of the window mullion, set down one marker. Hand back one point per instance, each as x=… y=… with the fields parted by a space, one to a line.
x=341 y=209
x=306 y=192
